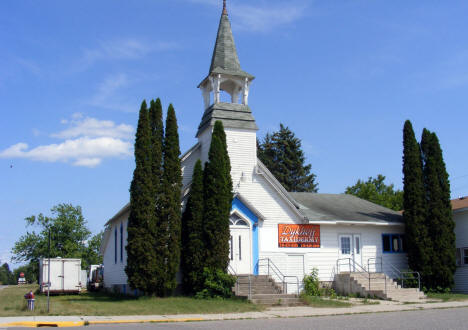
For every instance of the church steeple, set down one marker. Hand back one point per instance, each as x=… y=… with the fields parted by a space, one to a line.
x=225 y=59
x=225 y=71
x=226 y=75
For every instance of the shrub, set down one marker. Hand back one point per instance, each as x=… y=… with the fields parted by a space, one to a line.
x=312 y=284
x=217 y=284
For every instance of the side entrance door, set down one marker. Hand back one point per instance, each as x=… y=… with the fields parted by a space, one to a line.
x=350 y=248
x=240 y=253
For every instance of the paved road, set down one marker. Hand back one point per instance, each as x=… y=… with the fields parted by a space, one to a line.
x=455 y=318
x=3 y=286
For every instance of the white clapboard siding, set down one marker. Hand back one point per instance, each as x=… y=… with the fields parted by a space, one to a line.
x=461 y=231
x=295 y=267
x=114 y=273
x=188 y=163
x=325 y=257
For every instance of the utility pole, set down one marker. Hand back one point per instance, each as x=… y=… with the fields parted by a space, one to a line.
x=48 y=279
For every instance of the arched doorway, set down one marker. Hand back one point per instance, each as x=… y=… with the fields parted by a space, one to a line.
x=240 y=244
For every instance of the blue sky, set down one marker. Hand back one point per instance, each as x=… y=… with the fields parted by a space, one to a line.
x=343 y=75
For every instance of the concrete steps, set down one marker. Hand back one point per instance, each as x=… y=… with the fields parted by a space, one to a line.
x=264 y=291
x=380 y=286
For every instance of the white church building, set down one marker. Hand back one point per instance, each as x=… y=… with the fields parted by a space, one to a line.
x=272 y=230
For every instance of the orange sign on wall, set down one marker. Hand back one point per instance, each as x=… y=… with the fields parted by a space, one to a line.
x=303 y=236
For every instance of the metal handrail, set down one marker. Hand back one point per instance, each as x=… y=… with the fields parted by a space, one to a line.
x=399 y=274
x=279 y=274
x=361 y=270
x=375 y=263
x=233 y=272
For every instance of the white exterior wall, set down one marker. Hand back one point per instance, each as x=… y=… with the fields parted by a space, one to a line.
x=325 y=257
x=274 y=208
x=114 y=273
x=242 y=149
x=461 y=232
x=205 y=141
x=188 y=164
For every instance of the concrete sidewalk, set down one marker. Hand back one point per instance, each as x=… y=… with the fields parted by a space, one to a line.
x=273 y=312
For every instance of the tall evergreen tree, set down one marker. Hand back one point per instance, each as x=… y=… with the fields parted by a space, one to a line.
x=157 y=228
x=218 y=197
x=282 y=154
x=157 y=138
x=419 y=246
x=439 y=212
x=141 y=257
x=193 y=247
x=171 y=187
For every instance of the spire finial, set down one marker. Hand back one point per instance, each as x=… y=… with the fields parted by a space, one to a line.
x=224 y=8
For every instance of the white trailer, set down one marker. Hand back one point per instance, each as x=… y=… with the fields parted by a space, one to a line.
x=65 y=275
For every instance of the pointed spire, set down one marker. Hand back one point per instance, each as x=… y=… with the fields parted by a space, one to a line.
x=225 y=54
x=224 y=8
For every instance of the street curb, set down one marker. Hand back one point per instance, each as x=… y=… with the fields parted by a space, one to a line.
x=146 y=321
x=37 y=324
x=69 y=324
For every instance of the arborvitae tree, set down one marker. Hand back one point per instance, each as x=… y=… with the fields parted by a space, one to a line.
x=157 y=138
x=439 y=212
x=218 y=197
x=141 y=257
x=414 y=204
x=282 y=154
x=171 y=214
x=157 y=228
x=193 y=247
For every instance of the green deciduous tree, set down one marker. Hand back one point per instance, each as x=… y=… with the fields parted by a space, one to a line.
x=30 y=272
x=282 y=154
x=6 y=275
x=70 y=238
x=171 y=213
x=419 y=246
x=92 y=254
x=141 y=255
x=218 y=197
x=376 y=191
x=193 y=247
x=439 y=212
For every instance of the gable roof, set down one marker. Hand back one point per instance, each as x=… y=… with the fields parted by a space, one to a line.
x=459 y=203
x=184 y=189
x=343 y=208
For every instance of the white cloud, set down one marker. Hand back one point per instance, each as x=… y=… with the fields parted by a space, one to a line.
x=266 y=18
x=88 y=162
x=83 y=151
x=124 y=49
x=263 y=16
x=106 y=95
x=86 y=143
x=92 y=127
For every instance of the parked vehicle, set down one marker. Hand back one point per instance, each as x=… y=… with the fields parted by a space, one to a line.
x=95 y=277
x=65 y=275
x=21 y=279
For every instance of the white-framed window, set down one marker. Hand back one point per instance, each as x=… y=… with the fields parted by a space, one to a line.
x=462 y=256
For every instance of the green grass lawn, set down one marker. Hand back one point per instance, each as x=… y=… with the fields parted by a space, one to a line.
x=324 y=302
x=12 y=303
x=448 y=296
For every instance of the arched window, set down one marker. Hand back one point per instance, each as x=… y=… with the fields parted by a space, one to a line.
x=236 y=220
